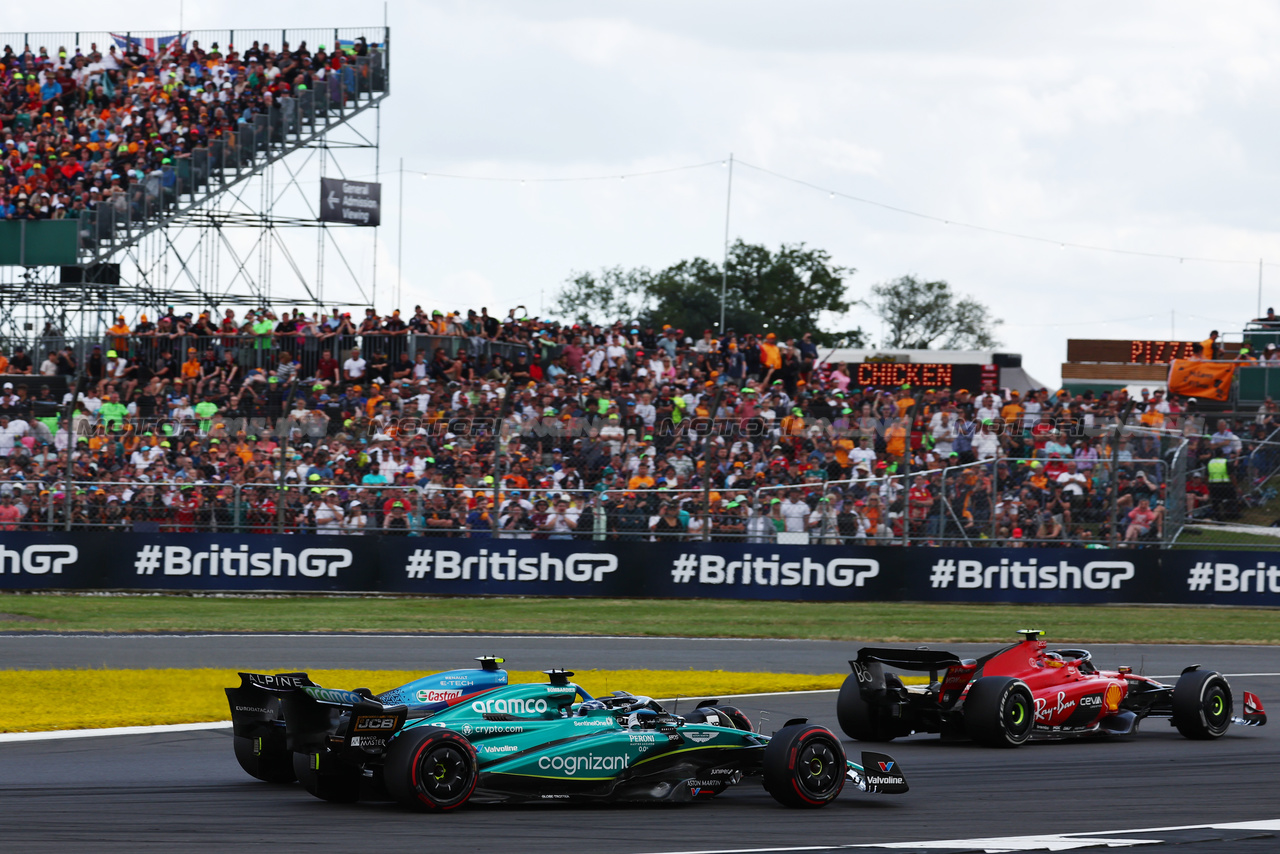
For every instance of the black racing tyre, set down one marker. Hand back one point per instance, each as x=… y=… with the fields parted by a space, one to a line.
x=1202 y=704
x=726 y=716
x=858 y=718
x=270 y=760
x=431 y=769
x=804 y=766
x=339 y=785
x=739 y=718
x=999 y=711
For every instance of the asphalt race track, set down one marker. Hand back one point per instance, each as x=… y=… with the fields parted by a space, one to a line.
x=184 y=791
x=524 y=652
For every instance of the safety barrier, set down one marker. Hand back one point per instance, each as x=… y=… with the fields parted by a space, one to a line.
x=475 y=567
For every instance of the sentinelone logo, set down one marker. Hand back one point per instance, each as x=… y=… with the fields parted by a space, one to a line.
x=1032 y=575
x=447 y=565
x=37 y=560
x=773 y=572
x=180 y=560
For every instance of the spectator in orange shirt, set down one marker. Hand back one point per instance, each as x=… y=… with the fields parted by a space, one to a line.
x=905 y=401
x=1013 y=411
x=641 y=479
x=120 y=343
x=770 y=355
x=895 y=440
x=191 y=370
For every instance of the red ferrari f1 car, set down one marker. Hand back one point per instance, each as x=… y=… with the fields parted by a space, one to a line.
x=1026 y=691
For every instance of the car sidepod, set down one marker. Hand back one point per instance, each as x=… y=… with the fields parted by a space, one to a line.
x=592 y=758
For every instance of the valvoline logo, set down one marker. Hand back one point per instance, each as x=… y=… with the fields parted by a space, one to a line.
x=885 y=767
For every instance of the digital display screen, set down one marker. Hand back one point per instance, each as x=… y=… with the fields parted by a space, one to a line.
x=924 y=374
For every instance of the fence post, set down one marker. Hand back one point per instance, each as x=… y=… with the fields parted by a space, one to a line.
x=706 y=467
x=69 y=414
x=906 y=472
x=995 y=492
x=1114 y=485
x=1176 y=495
x=500 y=453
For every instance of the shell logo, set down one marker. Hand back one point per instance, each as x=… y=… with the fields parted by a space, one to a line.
x=1112 y=697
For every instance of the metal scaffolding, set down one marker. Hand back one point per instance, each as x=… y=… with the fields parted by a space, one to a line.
x=236 y=223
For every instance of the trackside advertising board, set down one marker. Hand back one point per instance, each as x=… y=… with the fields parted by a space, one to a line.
x=471 y=567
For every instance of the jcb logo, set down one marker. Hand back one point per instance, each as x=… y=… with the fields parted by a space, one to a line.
x=369 y=723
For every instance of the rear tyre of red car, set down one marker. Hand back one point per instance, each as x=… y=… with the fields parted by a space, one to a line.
x=431 y=769
x=999 y=711
x=1202 y=704
x=858 y=718
x=339 y=785
x=268 y=760
x=804 y=766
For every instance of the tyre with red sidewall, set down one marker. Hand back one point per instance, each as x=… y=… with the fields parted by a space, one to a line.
x=804 y=766
x=431 y=769
x=1202 y=705
x=999 y=711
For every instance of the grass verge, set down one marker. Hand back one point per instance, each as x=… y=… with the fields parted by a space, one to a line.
x=86 y=699
x=1208 y=538
x=887 y=622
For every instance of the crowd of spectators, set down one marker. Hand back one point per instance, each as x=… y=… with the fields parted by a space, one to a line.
x=464 y=424
x=103 y=129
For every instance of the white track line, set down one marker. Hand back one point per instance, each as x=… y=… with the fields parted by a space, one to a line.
x=1068 y=841
x=115 y=730
x=1046 y=842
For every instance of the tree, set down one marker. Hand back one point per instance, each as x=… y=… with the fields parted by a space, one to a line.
x=928 y=315
x=782 y=292
x=613 y=294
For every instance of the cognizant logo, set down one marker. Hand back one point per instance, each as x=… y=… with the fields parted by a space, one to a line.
x=573 y=764
x=513 y=706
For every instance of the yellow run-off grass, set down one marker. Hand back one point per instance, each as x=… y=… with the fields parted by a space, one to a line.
x=42 y=700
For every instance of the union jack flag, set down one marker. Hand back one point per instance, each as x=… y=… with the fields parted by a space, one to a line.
x=151 y=45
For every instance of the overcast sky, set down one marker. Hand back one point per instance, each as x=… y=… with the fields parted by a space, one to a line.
x=1148 y=127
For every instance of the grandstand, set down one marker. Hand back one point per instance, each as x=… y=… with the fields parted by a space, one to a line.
x=479 y=425
x=132 y=161
x=143 y=169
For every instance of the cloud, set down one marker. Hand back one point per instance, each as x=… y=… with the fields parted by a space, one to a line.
x=1148 y=126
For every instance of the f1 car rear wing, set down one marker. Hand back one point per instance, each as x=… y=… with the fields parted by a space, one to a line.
x=868 y=669
x=908 y=659
x=256 y=707
x=314 y=716
x=292 y=708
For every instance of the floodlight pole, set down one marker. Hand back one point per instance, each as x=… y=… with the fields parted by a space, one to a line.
x=724 y=269
x=400 y=232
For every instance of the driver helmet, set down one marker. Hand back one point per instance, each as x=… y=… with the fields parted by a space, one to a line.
x=1053 y=659
x=588 y=706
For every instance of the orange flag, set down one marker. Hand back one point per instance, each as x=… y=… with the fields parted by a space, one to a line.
x=1197 y=378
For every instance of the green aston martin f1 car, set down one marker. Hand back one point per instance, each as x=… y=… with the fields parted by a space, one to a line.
x=467 y=736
